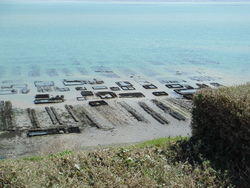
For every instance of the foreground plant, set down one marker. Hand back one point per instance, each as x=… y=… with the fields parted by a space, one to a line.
x=221 y=129
x=150 y=165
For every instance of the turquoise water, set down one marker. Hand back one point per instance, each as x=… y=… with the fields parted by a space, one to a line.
x=40 y=40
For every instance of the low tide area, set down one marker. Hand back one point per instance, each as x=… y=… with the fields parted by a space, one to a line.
x=96 y=111
x=83 y=74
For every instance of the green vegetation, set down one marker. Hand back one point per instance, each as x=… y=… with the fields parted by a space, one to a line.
x=221 y=129
x=150 y=164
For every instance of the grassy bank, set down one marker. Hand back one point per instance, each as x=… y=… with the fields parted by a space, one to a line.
x=154 y=163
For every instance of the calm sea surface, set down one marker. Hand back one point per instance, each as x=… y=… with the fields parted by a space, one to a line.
x=40 y=40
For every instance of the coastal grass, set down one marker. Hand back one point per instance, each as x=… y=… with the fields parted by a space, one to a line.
x=150 y=164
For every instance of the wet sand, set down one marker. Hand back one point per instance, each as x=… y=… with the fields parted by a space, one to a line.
x=113 y=124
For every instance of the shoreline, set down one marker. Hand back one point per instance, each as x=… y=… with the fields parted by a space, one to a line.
x=114 y=123
x=110 y=77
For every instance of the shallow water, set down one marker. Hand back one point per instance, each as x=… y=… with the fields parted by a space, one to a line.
x=161 y=42
x=56 y=40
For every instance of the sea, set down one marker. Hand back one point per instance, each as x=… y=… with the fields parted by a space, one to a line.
x=55 y=40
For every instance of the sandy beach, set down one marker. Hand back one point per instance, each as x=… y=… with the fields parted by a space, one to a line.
x=106 y=124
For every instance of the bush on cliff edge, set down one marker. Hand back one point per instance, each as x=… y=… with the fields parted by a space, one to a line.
x=221 y=128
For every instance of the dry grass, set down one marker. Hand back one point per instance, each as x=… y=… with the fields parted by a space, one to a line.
x=151 y=164
x=58 y=145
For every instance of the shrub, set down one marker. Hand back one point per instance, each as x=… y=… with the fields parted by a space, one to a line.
x=221 y=127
